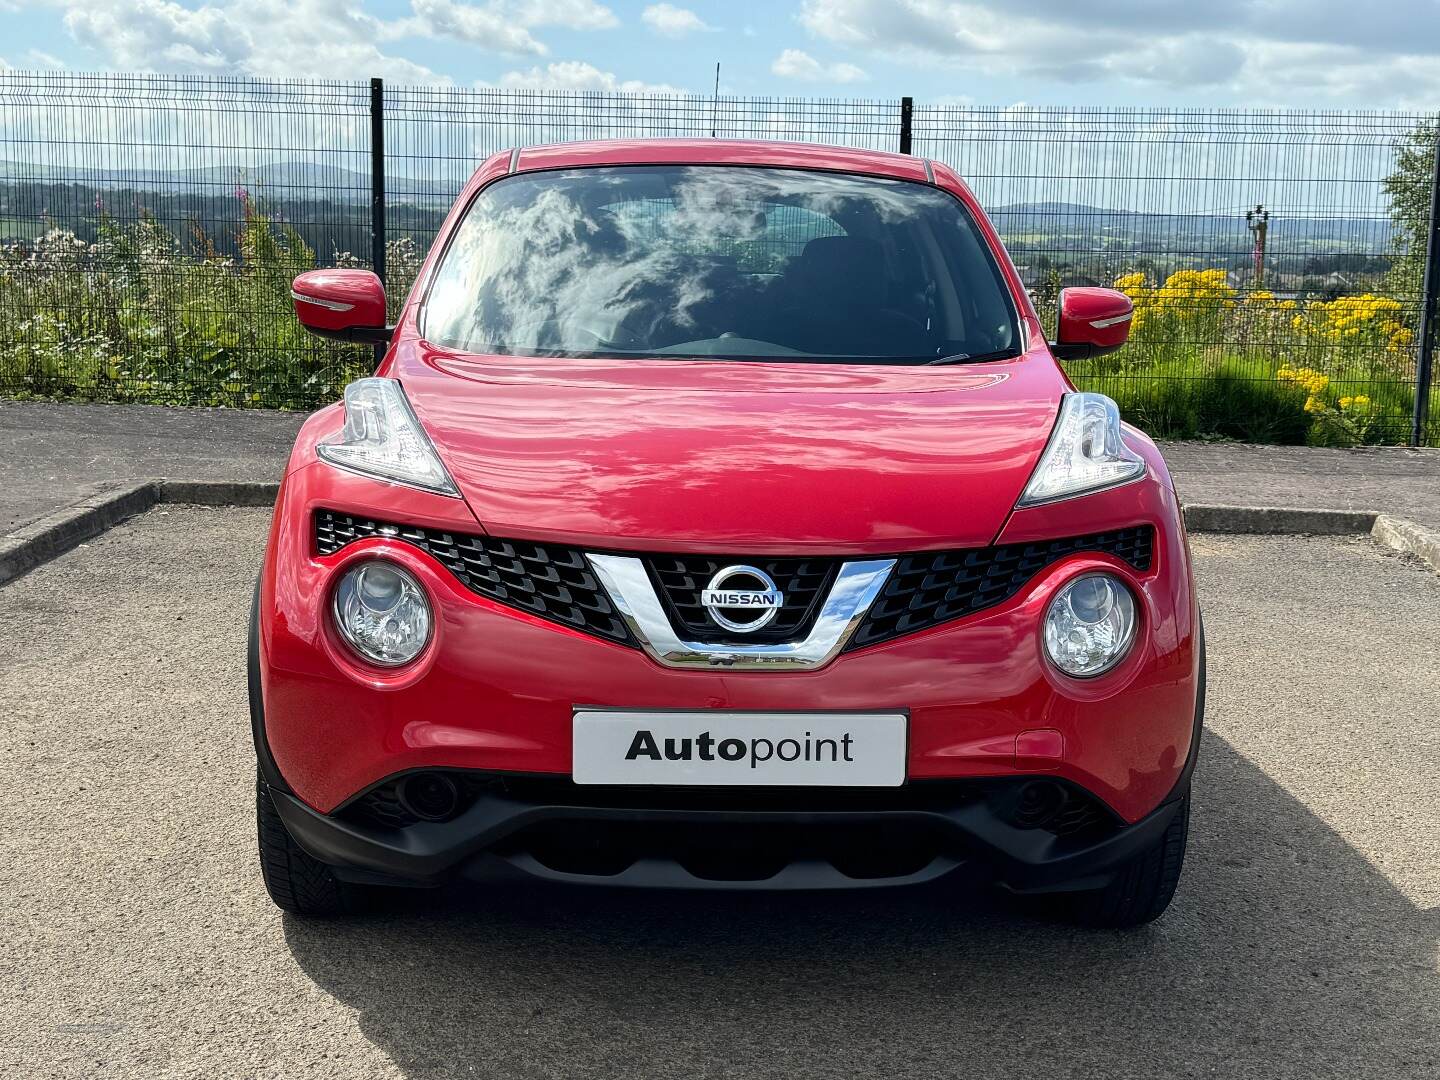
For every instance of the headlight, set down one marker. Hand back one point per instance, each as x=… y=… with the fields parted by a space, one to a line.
x=382 y=613
x=1085 y=452
x=383 y=439
x=1089 y=625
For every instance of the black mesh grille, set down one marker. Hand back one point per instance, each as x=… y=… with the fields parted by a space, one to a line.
x=804 y=584
x=551 y=582
x=1080 y=814
x=382 y=806
x=935 y=587
x=556 y=583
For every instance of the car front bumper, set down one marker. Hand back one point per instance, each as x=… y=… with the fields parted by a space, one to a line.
x=681 y=840
x=497 y=689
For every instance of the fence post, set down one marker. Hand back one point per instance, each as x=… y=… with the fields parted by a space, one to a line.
x=907 y=108
x=1429 y=308
x=377 y=186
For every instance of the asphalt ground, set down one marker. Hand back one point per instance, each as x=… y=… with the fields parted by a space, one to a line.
x=136 y=939
x=53 y=455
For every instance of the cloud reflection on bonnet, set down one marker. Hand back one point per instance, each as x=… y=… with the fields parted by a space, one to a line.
x=718 y=261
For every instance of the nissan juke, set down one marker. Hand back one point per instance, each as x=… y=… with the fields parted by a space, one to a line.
x=720 y=517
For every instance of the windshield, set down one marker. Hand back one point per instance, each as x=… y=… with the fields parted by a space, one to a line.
x=719 y=262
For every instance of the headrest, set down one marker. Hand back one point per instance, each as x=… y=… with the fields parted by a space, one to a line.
x=841 y=266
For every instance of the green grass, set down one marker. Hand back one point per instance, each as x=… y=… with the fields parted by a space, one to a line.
x=1241 y=398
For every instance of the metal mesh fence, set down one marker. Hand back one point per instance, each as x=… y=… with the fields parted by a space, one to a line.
x=1156 y=202
x=149 y=227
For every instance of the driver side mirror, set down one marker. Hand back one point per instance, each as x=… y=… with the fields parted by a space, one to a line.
x=1093 y=322
x=346 y=305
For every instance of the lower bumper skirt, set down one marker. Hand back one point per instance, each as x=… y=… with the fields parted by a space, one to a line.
x=499 y=835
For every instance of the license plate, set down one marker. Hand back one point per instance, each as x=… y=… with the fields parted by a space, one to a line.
x=727 y=749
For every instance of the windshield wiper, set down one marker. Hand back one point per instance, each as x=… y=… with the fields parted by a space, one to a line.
x=976 y=358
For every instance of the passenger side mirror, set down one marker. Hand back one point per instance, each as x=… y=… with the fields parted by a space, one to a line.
x=346 y=305
x=1092 y=322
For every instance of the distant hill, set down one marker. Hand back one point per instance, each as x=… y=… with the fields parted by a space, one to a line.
x=1079 y=222
x=282 y=179
x=329 y=204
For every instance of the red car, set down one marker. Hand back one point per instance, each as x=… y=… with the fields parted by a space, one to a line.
x=720 y=517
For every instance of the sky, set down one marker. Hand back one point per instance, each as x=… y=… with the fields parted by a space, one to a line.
x=1255 y=53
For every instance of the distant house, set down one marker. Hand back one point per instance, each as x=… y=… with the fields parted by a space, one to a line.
x=1033 y=277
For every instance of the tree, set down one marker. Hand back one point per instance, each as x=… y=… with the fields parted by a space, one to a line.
x=1409 y=189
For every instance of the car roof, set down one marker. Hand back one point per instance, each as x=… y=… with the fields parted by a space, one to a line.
x=720 y=152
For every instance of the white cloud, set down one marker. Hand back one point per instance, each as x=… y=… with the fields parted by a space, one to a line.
x=471 y=23
x=571 y=14
x=578 y=75
x=150 y=35
x=309 y=38
x=796 y=64
x=35 y=58
x=313 y=38
x=671 y=21
x=1259 y=53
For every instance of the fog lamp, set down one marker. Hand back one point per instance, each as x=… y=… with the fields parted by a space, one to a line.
x=1089 y=625
x=382 y=613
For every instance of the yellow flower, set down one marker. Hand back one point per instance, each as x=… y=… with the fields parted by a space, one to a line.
x=1314 y=405
x=1313 y=381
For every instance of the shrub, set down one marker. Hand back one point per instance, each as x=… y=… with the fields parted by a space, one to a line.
x=1219 y=362
x=1235 y=399
x=139 y=316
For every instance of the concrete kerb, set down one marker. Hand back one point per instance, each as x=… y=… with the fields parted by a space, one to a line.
x=1276 y=520
x=1404 y=535
x=108 y=505
x=1399 y=534
x=217 y=492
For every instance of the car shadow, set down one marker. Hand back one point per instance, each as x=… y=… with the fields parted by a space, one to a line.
x=1285 y=954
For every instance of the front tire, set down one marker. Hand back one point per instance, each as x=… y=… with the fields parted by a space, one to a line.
x=297 y=881
x=1142 y=888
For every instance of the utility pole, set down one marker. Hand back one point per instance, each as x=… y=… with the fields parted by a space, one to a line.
x=1429 y=312
x=1258 y=222
x=715 y=101
x=377 y=190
